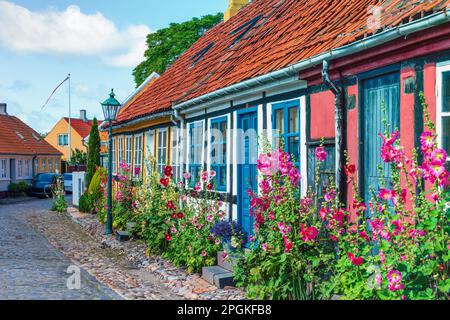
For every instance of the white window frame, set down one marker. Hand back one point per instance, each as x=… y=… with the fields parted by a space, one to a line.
x=19 y=169
x=228 y=150
x=176 y=151
x=164 y=149
x=63 y=136
x=4 y=170
x=50 y=165
x=129 y=150
x=138 y=139
x=189 y=148
x=441 y=68
x=120 y=157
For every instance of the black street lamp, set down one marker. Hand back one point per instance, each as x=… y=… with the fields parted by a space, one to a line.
x=110 y=109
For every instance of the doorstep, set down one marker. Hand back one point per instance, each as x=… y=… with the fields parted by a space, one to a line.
x=221 y=275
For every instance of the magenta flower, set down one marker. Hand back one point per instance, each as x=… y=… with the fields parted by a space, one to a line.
x=287 y=244
x=321 y=154
x=308 y=234
x=212 y=173
x=427 y=140
x=284 y=229
x=394 y=279
x=137 y=171
x=439 y=155
x=264 y=247
x=186 y=175
x=386 y=194
x=203 y=253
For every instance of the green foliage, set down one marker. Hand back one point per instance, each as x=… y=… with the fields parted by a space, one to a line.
x=85 y=204
x=78 y=157
x=166 y=45
x=21 y=188
x=93 y=152
x=59 y=200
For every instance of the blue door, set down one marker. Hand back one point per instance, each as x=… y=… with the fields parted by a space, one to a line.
x=379 y=93
x=247 y=168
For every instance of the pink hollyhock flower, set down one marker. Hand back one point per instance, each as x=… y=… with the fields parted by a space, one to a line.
x=357 y=261
x=137 y=171
x=264 y=247
x=284 y=163
x=308 y=234
x=295 y=176
x=168 y=238
x=364 y=235
x=271 y=215
x=197 y=186
x=330 y=196
x=212 y=173
x=321 y=154
x=427 y=140
x=382 y=257
x=284 y=229
x=436 y=169
x=379 y=279
x=250 y=238
x=164 y=181
x=287 y=244
x=209 y=186
x=359 y=206
x=439 y=155
x=394 y=280
x=123 y=165
x=210 y=218
x=386 y=194
x=168 y=171
x=204 y=176
x=323 y=213
x=265 y=164
x=399 y=227
x=173 y=230
x=203 y=253
x=186 y=175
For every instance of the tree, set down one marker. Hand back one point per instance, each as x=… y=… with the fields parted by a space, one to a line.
x=79 y=157
x=166 y=45
x=93 y=152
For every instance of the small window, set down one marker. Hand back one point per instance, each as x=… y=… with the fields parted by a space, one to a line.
x=20 y=135
x=244 y=29
x=128 y=150
x=195 y=150
x=3 y=169
x=175 y=153
x=50 y=165
x=138 y=151
x=218 y=151
x=162 y=150
x=43 y=165
x=198 y=56
x=20 y=168
x=63 y=140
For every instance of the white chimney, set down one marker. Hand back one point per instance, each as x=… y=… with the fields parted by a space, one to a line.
x=83 y=115
x=3 y=109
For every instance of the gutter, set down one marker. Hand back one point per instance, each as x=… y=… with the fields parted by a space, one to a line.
x=355 y=47
x=146 y=118
x=339 y=136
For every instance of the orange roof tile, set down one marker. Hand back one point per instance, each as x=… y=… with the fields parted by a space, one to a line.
x=79 y=125
x=289 y=31
x=18 y=138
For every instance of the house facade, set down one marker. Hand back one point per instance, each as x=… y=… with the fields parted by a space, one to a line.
x=23 y=152
x=303 y=73
x=58 y=136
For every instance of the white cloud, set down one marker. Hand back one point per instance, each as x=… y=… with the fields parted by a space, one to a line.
x=70 y=32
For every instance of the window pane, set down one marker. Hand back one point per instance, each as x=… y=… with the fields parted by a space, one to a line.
x=294 y=148
x=279 y=120
x=223 y=130
x=446 y=92
x=293 y=120
x=223 y=176
x=446 y=134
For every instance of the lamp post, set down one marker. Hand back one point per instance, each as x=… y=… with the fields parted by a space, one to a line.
x=110 y=109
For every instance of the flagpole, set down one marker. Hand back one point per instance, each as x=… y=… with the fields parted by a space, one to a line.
x=70 y=126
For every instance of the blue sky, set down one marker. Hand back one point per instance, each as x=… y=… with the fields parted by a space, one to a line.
x=99 y=42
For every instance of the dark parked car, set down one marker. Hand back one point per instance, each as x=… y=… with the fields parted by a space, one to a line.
x=68 y=182
x=43 y=184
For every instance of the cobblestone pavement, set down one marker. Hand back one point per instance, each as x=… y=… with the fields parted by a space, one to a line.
x=30 y=268
x=109 y=266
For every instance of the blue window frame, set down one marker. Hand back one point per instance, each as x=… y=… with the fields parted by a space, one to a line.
x=286 y=126
x=219 y=151
x=195 y=151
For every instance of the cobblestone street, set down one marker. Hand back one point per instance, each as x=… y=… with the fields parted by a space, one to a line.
x=30 y=268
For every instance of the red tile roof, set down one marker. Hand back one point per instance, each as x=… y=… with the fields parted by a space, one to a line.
x=289 y=31
x=18 y=138
x=83 y=128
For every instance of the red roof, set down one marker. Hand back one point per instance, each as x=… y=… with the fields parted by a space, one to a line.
x=288 y=31
x=83 y=128
x=18 y=138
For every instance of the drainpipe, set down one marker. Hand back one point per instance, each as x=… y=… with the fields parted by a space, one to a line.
x=339 y=133
x=179 y=118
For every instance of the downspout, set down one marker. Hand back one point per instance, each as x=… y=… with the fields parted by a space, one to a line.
x=179 y=118
x=339 y=130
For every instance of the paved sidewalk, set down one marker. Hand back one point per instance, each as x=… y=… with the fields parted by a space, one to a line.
x=30 y=268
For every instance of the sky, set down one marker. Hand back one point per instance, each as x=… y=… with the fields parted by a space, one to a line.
x=98 y=42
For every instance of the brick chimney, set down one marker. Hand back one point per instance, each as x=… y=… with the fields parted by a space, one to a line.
x=83 y=115
x=233 y=7
x=3 y=109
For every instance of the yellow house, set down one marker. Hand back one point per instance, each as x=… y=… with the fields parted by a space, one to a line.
x=58 y=137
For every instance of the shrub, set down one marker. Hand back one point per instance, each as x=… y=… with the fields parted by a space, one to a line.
x=59 y=200
x=85 y=203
